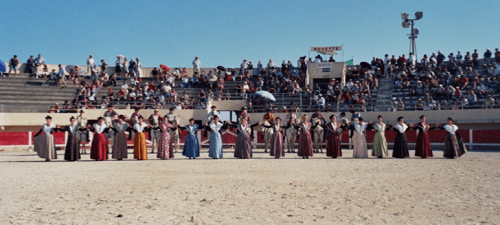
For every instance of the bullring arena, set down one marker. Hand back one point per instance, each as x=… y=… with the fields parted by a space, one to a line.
x=261 y=190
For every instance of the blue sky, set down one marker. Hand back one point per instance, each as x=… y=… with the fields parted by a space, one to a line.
x=226 y=32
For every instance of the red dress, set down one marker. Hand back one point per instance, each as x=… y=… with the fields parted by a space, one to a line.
x=305 y=142
x=99 y=148
x=333 y=148
x=423 y=147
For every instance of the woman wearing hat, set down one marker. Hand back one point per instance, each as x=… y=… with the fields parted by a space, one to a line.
x=215 y=150
x=191 y=146
x=44 y=143
x=277 y=148
x=400 y=148
x=360 y=149
x=71 y=152
x=99 y=147
x=140 y=149
x=335 y=129
x=305 y=142
x=379 y=141
x=423 y=147
x=243 y=147
x=453 y=144
x=120 y=139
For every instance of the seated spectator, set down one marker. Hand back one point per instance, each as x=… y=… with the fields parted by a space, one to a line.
x=401 y=105
x=185 y=82
x=489 y=102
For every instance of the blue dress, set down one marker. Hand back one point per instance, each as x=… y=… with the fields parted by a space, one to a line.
x=191 y=145
x=215 y=150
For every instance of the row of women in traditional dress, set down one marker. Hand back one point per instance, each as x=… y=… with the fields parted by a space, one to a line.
x=454 y=146
x=45 y=144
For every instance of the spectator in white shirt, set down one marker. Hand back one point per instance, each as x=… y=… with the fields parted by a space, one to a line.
x=412 y=60
x=196 y=65
x=321 y=102
x=244 y=66
x=458 y=57
x=90 y=64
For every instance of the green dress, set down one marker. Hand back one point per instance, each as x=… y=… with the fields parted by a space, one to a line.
x=379 y=141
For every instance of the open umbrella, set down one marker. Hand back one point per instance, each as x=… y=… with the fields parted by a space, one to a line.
x=221 y=68
x=365 y=65
x=2 y=66
x=164 y=67
x=266 y=95
x=81 y=71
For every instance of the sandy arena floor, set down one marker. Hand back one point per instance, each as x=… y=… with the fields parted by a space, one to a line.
x=262 y=190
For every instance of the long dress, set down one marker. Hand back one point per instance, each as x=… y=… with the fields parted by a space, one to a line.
x=243 y=147
x=453 y=144
x=423 y=146
x=215 y=149
x=305 y=142
x=140 y=150
x=360 y=149
x=71 y=152
x=191 y=145
x=379 y=141
x=333 y=148
x=164 y=142
x=400 y=149
x=99 y=147
x=120 y=150
x=45 y=146
x=277 y=148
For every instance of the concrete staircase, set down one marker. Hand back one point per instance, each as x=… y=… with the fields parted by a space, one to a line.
x=384 y=94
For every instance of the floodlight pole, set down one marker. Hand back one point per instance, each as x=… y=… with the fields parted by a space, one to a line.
x=412 y=38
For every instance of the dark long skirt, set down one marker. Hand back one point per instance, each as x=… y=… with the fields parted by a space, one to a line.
x=333 y=148
x=400 y=149
x=71 y=152
x=277 y=149
x=243 y=148
x=120 y=146
x=423 y=147
x=305 y=144
x=453 y=147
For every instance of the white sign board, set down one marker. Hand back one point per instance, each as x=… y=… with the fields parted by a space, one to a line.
x=325 y=65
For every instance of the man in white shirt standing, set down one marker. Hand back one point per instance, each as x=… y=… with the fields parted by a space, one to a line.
x=412 y=60
x=386 y=64
x=244 y=67
x=90 y=64
x=196 y=65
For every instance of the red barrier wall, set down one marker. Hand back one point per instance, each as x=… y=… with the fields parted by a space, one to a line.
x=229 y=137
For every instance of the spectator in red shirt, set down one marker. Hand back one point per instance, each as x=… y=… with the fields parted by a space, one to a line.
x=463 y=81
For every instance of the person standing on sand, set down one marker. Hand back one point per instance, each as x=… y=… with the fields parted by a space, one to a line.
x=333 y=148
x=215 y=150
x=400 y=149
x=277 y=148
x=305 y=142
x=453 y=144
x=191 y=145
x=164 y=151
x=359 y=139
x=423 y=146
x=243 y=148
x=120 y=139
x=71 y=152
x=83 y=131
x=379 y=141
x=99 y=147
x=140 y=149
x=45 y=146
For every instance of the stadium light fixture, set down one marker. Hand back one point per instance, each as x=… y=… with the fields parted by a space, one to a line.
x=407 y=23
x=404 y=16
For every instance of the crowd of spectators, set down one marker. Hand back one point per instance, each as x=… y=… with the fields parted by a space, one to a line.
x=461 y=82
